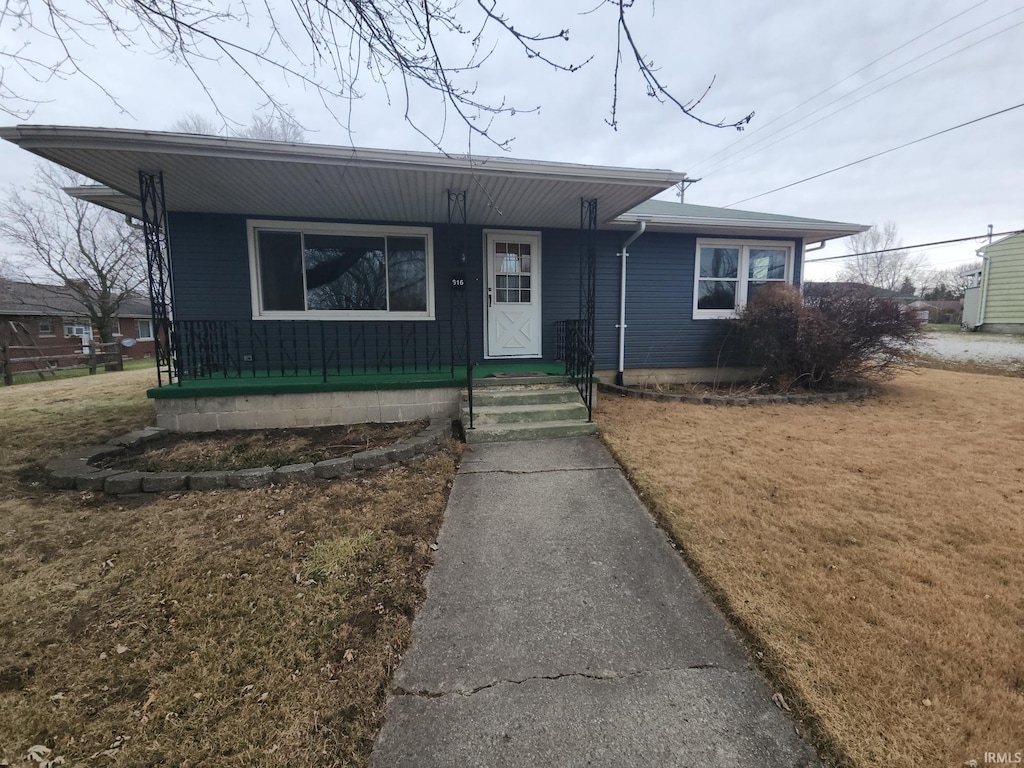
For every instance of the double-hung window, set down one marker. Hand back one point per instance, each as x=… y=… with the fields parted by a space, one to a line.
x=729 y=274
x=309 y=270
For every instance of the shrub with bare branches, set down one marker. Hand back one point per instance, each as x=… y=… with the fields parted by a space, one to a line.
x=844 y=336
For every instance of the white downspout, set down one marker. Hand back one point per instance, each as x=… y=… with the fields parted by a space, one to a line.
x=622 y=302
x=986 y=264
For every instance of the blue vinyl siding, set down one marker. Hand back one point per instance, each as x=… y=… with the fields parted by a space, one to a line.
x=660 y=329
x=210 y=266
x=210 y=263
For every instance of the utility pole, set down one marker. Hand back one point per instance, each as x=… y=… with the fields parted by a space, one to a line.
x=682 y=185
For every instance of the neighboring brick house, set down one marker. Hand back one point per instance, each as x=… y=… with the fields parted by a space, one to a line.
x=52 y=318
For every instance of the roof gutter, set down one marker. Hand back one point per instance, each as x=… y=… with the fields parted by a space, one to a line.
x=622 y=302
x=813 y=230
x=38 y=138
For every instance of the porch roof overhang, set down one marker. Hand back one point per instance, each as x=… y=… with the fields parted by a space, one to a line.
x=214 y=174
x=666 y=216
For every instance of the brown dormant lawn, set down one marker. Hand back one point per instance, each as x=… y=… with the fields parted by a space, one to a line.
x=236 y=628
x=872 y=553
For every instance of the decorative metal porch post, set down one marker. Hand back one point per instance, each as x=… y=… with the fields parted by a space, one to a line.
x=158 y=267
x=588 y=291
x=459 y=302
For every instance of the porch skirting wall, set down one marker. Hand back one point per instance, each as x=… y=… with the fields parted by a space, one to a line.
x=306 y=409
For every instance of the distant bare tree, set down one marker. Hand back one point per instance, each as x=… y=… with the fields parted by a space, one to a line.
x=279 y=124
x=95 y=253
x=949 y=284
x=197 y=123
x=331 y=48
x=877 y=264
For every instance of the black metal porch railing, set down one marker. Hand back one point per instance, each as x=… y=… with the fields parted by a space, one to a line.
x=572 y=346
x=208 y=349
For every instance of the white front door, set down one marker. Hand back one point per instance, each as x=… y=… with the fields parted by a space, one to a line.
x=513 y=294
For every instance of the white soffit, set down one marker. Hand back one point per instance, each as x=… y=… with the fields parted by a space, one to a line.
x=210 y=174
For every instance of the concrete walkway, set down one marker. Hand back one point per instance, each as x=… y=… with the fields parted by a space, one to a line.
x=561 y=629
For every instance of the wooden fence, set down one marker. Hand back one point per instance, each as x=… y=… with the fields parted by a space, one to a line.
x=17 y=360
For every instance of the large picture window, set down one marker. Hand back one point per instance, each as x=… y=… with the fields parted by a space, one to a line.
x=729 y=274
x=334 y=271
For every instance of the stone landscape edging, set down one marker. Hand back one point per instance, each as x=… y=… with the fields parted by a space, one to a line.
x=75 y=469
x=857 y=393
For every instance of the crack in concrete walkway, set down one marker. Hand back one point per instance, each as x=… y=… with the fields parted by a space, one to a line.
x=399 y=691
x=538 y=471
x=561 y=628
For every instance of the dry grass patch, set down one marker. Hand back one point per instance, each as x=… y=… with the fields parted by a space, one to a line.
x=992 y=368
x=874 y=551
x=234 y=628
x=39 y=420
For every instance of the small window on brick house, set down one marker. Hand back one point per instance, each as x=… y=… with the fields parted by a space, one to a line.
x=77 y=328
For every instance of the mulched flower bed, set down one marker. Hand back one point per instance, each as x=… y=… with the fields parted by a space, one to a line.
x=737 y=394
x=244 y=449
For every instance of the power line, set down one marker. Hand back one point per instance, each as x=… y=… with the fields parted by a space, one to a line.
x=931 y=265
x=747 y=135
x=879 y=154
x=743 y=155
x=760 y=146
x=913 y=247
x=961 y=261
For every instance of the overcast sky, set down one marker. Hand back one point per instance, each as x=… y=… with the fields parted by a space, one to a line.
x=775 y=59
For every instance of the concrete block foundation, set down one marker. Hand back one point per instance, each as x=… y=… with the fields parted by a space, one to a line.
x=307 y=409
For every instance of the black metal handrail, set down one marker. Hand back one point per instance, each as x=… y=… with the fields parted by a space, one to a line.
x=228 y=349
x=572 y=346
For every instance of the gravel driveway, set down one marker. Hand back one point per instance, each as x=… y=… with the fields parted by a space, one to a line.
x=990 y=348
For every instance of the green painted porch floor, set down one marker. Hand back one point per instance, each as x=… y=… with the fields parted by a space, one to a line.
x=276 y=384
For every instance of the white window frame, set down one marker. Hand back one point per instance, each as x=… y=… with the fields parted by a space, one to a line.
x=74 y=325
x=48 y=324
x=743 y=271
x=326 y=228
x=138 y=332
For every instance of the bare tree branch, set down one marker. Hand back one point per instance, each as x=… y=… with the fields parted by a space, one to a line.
x=323 y=46
x=655 y=88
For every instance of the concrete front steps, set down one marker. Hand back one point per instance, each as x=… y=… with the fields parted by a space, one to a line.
x=524 y=408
